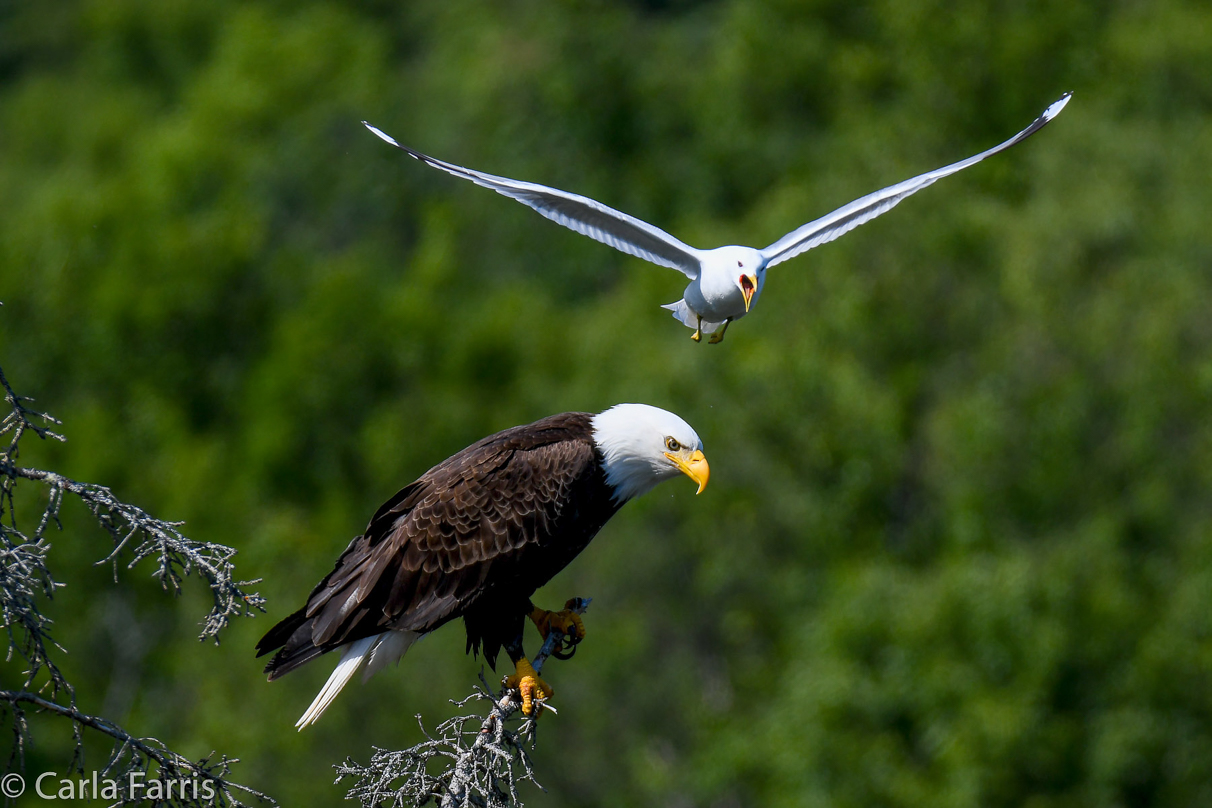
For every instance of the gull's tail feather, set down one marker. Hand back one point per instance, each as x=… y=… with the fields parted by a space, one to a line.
x=372 y=653
x=683 y=314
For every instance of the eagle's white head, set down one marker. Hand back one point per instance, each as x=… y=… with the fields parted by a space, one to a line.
x=642 y=446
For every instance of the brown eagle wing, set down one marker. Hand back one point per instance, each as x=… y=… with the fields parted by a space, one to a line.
x=467 y=526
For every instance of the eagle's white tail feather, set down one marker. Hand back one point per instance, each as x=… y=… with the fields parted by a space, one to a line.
x=372 y=653
x=390 y=648
x=353 y=659
x=688 y=318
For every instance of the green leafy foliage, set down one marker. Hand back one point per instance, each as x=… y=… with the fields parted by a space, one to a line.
x=957 y=548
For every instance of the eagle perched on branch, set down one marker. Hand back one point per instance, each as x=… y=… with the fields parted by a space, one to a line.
x=475 y=536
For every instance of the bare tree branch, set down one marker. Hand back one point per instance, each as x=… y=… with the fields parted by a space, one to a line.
x=131 y=754
x=484 y=760
x=21 y=419
x=177 y=556
x=25 y=580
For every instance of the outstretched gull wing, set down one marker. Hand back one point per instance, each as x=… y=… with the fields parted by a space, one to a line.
x=866 y=208
x=579 y=213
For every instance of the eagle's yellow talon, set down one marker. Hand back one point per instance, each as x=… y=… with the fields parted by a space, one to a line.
x=528 y=684
x=566 y=620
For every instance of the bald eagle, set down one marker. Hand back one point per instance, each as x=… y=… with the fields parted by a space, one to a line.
x=475 y=536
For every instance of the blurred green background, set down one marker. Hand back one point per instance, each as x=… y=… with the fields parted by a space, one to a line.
x=957 y=549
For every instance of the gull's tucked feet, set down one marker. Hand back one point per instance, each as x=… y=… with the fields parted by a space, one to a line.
x=718 y=336
x=534 y=691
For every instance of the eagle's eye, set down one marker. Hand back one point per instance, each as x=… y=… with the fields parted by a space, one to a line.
x=739 y=264
x=672 y=445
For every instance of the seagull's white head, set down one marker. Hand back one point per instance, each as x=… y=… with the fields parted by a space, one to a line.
x=746 y=268
x=642 y=446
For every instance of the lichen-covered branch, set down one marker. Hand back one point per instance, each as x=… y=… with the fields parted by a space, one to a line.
x=26 y=583
x=482 y=760
x=21 y=419
x=147 y=537
x=132 y=754
x=24 y=576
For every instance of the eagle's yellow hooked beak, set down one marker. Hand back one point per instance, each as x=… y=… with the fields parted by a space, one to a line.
x=748 y=288
x=695 y=467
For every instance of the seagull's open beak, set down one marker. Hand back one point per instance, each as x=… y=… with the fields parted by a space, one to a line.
x=748 y=287
x=695 y=467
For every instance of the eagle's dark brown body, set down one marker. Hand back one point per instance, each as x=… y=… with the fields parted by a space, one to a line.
x=474 y=537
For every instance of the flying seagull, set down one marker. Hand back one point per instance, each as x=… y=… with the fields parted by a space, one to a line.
x=725 y=283
x=475 y=536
